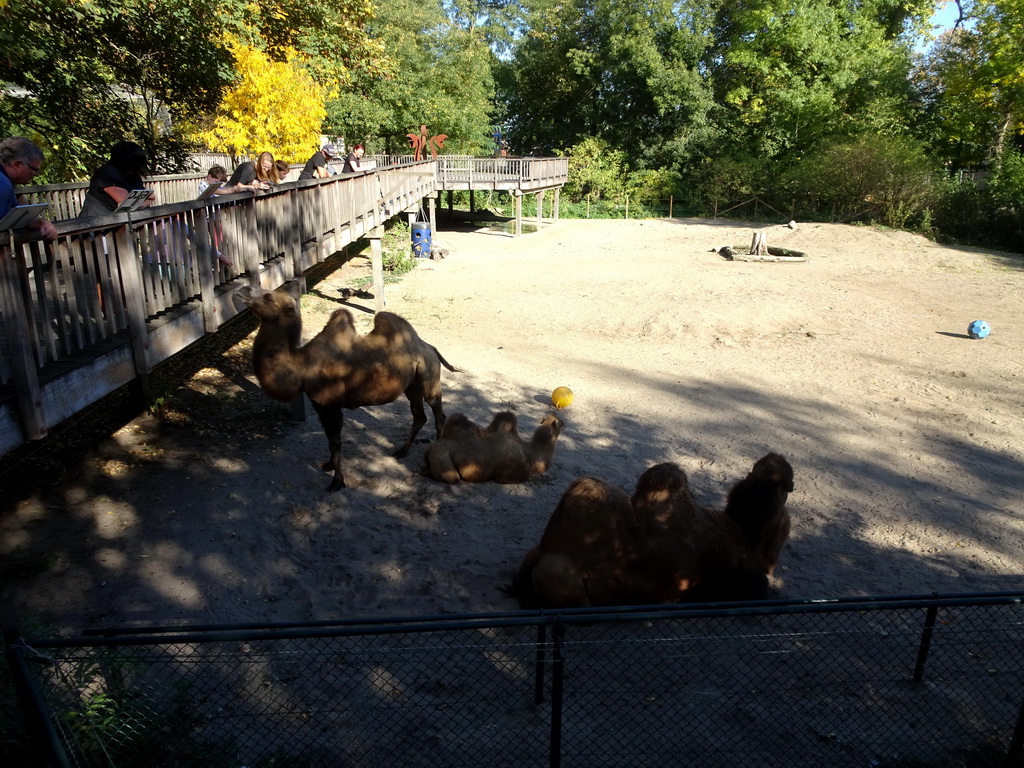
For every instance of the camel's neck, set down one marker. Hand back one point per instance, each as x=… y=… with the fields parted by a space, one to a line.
x=542 y=448
x=277 y=359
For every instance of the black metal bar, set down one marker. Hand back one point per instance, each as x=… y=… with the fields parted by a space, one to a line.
x=926 y=642
x=557 y=680
x=1013 y=754
x=538 y=667
x=200 y=633
x=43 y=736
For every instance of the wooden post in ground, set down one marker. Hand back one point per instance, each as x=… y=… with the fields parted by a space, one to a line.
x=759 y=244
x=377 y=264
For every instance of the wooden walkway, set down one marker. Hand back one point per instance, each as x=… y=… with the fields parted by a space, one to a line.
x=116 y=295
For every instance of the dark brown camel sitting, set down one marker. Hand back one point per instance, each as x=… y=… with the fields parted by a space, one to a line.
x=339 y=368
x=466 y=452
x=602 y=548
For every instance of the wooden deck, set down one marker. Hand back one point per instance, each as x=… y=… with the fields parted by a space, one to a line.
x=116 y=295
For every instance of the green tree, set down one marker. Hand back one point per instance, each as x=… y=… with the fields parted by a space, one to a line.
x=972 y=83
x=444 y=81
x=627 y=73
x=795 y=75
x=81 y=76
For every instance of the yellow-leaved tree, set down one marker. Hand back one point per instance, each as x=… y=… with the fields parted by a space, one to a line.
x=273 y=106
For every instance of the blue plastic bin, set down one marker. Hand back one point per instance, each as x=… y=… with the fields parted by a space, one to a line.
x=421 y=239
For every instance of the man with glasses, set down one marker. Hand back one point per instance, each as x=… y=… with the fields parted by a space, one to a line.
x=20 y=162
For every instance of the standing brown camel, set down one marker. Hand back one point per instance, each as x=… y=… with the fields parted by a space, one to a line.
x=339 y=368
x=466 y=452
x=602 y=548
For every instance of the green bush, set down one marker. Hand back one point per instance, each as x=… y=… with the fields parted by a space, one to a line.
x=596 y=170
x=396 y=249
x=718 y=183
x=880 y=179
x=989 y=214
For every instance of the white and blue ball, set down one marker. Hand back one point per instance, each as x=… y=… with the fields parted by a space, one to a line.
x=978 y=329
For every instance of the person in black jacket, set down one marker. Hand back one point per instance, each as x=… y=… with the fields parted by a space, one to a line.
x=111 y=184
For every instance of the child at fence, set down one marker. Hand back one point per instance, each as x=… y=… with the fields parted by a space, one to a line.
x=217 y=173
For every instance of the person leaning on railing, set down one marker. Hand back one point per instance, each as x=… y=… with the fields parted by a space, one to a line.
x=20 y=162
x=318 y=166
x=352 y=161
x=255 y=177
x=110 y=185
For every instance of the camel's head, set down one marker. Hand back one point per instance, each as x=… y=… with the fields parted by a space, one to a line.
x=553 y=423
x=774 y=469
x=268 y=305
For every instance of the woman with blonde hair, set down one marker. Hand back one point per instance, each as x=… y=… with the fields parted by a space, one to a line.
x=258 y=177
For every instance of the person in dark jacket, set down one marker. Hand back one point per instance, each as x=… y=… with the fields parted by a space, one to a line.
x=111 y=184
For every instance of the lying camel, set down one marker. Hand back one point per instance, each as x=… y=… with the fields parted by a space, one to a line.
x=339 y=368
x=466 y=452
x=602 y=548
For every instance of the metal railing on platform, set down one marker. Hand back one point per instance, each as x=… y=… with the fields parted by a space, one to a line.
x=899 y=681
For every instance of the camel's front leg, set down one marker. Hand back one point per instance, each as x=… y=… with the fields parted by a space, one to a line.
x=332 y=420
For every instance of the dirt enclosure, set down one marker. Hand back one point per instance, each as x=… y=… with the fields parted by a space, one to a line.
x=905 y=435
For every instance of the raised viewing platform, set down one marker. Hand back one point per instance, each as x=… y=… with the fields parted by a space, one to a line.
x=116 y=295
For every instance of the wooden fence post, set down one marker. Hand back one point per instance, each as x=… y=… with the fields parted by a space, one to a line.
x=206 y=261
x=250 y=242
x=129 y=263
x=23 y=364
x=377 y=263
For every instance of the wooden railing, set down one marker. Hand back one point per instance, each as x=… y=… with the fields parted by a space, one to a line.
x=454 y=172
x=115 y=295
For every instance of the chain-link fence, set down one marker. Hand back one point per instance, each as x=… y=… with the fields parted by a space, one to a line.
x=875 y=682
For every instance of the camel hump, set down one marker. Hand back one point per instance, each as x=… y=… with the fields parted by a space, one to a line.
x=505 y=421
x=457 y=424
x=660 y=483
x=340 y=319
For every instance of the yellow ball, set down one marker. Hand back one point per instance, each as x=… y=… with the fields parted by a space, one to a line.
x=562 y=397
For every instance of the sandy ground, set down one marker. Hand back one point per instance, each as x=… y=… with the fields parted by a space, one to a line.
x=904 y=434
